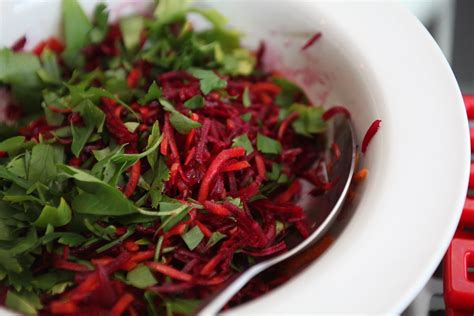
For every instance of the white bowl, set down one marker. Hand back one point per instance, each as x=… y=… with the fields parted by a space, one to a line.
x=379 y=61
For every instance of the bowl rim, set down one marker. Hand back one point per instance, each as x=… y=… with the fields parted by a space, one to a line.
x=375 y=53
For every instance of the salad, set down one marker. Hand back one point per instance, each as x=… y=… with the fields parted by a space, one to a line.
x=143 y=163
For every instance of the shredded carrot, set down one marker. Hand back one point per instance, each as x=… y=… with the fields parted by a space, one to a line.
x=169 y=271
x=361 y=175
x=121 y=305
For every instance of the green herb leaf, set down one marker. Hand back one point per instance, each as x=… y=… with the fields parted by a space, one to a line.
x=180 y=122
x=42 y=166
x=150 y=298
x=289 y=92
x=274 y=174
x=309 y=121
x=246 y=97
x=246 y=117
x=154 y=93
x=98 y=198
x=215 y=238
x=20 y=71
x=212 y=15
x=131 y=28
x=193 y=237
x=76 y=28
x=27 y=303
x=48 y=280
x=182 y=306
x=12 y=145
x=238 y=62
x=80 y=135
x=25 y=244
x=101 y=17
x=117 y=241
x=154 y=136
x=8 y=262
x=50 y=73
x=175 y=211
x=141 y=277
x=158 y=248
x=168 y=11
x=194 y=103
x=268 y=145
x=55 y=216
x=92 y=115
x=162 y=174
x=208 y=80
x=243 y=141
x=132 y=158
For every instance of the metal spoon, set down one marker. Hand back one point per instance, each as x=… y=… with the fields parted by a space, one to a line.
x=321 y=213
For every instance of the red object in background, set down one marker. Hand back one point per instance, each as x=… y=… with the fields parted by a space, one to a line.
x=467 y=217
x=459 y=259
x=471 y=177
x=469 y=102
x=471 y=134
x=458 y=282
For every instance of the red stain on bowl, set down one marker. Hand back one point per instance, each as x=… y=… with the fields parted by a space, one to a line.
x=308 y=76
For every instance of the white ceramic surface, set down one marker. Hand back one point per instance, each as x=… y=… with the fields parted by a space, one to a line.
x=378 y=60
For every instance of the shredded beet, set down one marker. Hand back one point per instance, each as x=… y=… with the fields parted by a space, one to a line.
x=19 y=44
x=373 y=128
x=335 y=110
x=312 y=40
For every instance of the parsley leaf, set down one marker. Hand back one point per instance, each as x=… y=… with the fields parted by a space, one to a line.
x=208 y=80
x=194 y=103
x=154 y=93
x=274 y=174
x=27 y=303
x=55 y=216
x=246 y=117
x=93 y=118
x=309 y=121
x=268 y=145
x=193 y=237
x=101 y=17
x=12 y=145
x=141 y=277
x=180 y=122
x=50 y=73
x=152 y=146
x=20 y=71
x=168 y=11
x=131 y=28
x=181 y=306
x=80 y=135
x=161 y=174
x=175 y=211
x=246 y=97
x=289 y=92
x=42 y=166
x=76 y=27
x=98 y=197
x=243 y=141
x=215 y=238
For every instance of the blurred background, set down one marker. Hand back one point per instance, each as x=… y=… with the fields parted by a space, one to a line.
x=451 y=22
